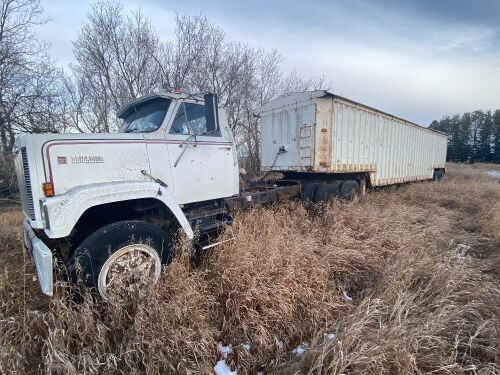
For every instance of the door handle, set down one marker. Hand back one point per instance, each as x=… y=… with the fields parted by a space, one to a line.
x=225 y=148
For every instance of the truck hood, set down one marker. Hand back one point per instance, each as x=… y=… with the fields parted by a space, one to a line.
x=69 y=160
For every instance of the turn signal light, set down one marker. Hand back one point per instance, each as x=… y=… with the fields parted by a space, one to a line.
x=48 y=189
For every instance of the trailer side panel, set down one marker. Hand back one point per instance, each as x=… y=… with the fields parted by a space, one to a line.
x=393 y=150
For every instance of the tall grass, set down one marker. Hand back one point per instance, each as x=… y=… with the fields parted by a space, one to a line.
x=407 y=280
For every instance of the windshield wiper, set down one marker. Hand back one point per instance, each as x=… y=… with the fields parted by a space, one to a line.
x=133 y=130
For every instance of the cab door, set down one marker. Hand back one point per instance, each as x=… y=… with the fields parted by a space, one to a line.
x=158 y=156
x=201 y=160
x=148 y=120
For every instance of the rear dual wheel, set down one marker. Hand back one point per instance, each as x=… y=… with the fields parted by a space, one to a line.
x=349 y=190
x=121 y=260
x=438 y=175
x=309 y=191
x=326 y=193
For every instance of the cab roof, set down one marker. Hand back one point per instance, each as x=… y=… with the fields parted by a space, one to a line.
x=124 y=111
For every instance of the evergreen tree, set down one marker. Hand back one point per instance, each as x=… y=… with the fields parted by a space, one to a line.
x=436 y=125
x=464 y=149
x=474 y=136
x=496 y=133
x=485 y=137
x=476 y=123
x=445 y=125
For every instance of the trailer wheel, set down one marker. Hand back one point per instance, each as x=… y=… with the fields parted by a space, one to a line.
x=349 y=189
x=326 y=192
x=121 y=260
x=438 y=175
x=309 y=191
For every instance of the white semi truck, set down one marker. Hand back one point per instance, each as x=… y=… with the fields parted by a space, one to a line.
x=109 y=205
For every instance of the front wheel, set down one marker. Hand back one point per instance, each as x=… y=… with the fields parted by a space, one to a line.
x=121 y=260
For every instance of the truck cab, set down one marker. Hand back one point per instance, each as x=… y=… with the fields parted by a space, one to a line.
x=200 y=148
x=102 y=201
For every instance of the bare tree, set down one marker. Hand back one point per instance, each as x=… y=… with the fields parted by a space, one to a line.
x=116 y=61
x=266 y=84
x=294 y=82
x=29 y=88
x=181 y=57
x=31 y=94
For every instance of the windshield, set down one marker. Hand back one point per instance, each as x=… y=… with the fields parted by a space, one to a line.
x=147 y=117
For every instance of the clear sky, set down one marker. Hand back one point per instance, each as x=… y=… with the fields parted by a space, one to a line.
x=417 y=59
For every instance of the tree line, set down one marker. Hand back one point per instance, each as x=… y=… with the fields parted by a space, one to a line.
x=119 y=57
x=472 y=136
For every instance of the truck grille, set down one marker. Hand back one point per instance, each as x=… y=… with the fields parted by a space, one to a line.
x=27 y=184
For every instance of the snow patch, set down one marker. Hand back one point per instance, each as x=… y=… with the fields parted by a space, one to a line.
x=299 y=350
x=346 y=296
x=246 y=346
x=280 y=344
x=330 y=336
x=224 y=350
x=494 y=174
x=462 y=250
x=221 y=368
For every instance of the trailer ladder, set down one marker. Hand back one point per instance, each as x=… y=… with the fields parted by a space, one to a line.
x=305 y=152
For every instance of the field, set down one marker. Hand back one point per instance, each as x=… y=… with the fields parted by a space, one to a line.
x=405 y=281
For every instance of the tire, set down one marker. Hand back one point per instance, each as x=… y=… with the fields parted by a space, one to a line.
x=309 y=191
x=349 y=189
x=438 y=175
x=326 y=192
x=121 y=245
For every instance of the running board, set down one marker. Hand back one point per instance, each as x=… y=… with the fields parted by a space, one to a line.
x=217 y=243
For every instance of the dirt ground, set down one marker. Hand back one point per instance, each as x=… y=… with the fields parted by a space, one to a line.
x=405 y=281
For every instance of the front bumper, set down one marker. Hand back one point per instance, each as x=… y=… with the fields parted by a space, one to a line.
x=42 y=257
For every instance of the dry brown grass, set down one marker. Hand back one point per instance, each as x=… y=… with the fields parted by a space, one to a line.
x=417 y=305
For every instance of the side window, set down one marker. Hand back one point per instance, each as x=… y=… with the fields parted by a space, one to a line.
x=191 y=119
x=179 y=125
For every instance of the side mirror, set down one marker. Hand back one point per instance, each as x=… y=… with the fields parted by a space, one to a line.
x=212 y=113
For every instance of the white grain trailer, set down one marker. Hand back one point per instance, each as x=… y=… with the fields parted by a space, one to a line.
x=321 y=133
